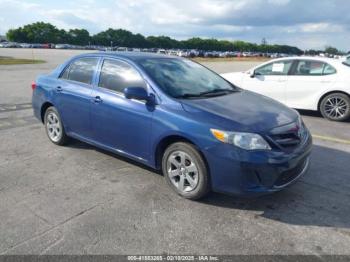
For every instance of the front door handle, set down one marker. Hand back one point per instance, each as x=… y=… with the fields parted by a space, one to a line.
x=97 y=99
x=59 y=89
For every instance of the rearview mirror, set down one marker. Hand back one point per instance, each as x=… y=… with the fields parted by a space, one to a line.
x=138 y=93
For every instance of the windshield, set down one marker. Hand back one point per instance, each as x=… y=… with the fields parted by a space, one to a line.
x=181 y=78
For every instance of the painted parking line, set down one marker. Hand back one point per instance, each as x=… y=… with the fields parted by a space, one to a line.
x=331 y=139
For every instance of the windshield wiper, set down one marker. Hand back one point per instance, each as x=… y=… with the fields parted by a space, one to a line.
x=187 y=95
x=211 y=93
x=217 y=92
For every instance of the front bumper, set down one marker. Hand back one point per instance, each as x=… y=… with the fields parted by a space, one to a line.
x=253 y=173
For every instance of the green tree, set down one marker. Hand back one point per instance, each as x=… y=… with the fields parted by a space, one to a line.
x=331 y=50
x=38 y=32
x=41 y=32
x=78 y=37
x=162 y=42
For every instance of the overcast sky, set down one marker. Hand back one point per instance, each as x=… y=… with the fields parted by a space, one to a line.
x=304 y=23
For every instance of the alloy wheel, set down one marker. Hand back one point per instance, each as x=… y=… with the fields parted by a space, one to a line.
x=53 y=126
x=336 y=107
x=182 y=171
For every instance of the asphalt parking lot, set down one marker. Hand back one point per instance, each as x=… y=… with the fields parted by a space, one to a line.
x=81 y=200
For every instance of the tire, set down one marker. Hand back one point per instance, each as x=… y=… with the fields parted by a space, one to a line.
x=330 y=110
x=185 y=171
x=54 y=127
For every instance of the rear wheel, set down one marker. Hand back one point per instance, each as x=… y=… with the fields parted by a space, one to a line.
x=335 y=107
x=54 y=127
x=185 y=171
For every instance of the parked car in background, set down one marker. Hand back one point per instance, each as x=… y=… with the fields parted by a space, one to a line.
x=161 y=51
x=10 y=45
x=24 y=45
x=310 y=83
x=172 y=52
x=62 y=46
x=183 y=53
x=173 y=114
x=37 y=45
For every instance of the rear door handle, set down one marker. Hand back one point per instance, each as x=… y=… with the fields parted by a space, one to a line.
x=97 y=99
x=59 y=89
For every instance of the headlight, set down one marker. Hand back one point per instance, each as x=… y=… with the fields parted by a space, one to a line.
x=248 y=141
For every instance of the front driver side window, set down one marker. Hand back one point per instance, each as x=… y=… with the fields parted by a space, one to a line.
x=275 y=68
x=117 y=75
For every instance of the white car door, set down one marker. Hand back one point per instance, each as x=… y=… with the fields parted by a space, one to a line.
x=307 y=81
x=269 y=79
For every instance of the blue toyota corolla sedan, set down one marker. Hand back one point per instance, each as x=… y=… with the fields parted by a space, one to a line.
x=173 y=114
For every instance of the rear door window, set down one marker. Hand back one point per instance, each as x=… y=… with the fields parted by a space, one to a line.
x=314 y=68
x=328 y=69
x=81 y=70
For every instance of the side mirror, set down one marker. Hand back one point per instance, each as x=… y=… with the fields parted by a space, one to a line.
x=138 y=93
x=252 y=74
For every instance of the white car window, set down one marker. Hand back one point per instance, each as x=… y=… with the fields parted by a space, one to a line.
x=275 y=68
x=329 y=70
x=314 y=68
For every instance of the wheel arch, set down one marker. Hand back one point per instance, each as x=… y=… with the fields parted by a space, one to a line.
x=43 y=109
x=165 y=142
x=329 y=93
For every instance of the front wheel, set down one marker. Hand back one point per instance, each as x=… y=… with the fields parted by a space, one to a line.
x=54 y=127
x=335 y=107
x=185 y=171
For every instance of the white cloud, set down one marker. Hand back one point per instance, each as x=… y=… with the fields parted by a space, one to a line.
x=322 y=28
x=311 y=23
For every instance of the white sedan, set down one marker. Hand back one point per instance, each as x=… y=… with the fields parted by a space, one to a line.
x=319 y=84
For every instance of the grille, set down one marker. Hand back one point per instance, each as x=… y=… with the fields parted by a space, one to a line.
x=287 y=137
x=286 y=140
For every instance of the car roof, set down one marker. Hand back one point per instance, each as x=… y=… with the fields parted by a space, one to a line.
x=134 y=56
x=319 y=58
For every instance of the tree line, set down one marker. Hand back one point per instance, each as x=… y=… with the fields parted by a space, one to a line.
x=43 y=33
x=328 y=50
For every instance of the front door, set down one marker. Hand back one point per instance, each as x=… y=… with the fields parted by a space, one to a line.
x=269 y=80
x=121 y=124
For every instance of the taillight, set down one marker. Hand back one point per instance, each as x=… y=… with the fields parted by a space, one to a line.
x=33 y=85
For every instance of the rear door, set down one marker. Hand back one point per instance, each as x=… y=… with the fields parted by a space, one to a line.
x=269 y=79
x=307 y=80
x=73 y=95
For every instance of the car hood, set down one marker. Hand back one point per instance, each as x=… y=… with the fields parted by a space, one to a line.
x=241 y=111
